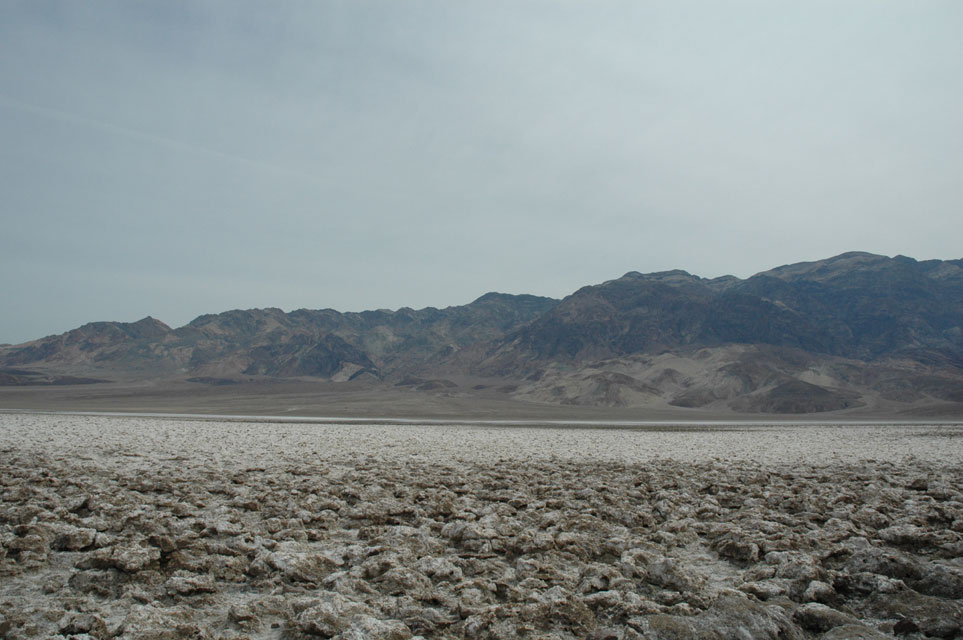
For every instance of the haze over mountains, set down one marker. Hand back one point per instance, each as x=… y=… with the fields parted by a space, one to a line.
x=856 y=332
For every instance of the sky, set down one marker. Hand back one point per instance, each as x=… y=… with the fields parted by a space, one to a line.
x=178 y=158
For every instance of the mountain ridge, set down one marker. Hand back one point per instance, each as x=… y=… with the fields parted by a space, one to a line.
x=849 y=331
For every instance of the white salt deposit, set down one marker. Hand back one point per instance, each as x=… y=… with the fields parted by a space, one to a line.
x=228 y=442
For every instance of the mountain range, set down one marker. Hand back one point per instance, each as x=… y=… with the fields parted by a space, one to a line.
x=853 y=333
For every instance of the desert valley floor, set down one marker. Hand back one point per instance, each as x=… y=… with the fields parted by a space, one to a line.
x=147 y=527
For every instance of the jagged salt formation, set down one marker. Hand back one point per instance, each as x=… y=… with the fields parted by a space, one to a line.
x=145 y=542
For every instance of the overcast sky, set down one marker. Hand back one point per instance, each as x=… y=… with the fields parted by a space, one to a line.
x=178 y=158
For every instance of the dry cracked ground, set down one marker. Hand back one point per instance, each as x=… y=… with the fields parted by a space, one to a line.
x=150 y=528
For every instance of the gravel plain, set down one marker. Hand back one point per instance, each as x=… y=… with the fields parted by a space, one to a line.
x=147 y=527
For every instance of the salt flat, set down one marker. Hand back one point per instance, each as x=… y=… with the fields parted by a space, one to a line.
x=228 y=442
x=148 y=527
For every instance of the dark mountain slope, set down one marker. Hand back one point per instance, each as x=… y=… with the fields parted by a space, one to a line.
x=856 y=306
x=874 y=306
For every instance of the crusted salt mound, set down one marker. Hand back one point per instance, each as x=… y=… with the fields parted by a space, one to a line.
x=137 y=528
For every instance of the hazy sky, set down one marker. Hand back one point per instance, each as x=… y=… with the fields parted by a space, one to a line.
x=177 y=158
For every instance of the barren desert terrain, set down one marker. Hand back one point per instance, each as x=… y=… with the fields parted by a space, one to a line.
x=144 y=527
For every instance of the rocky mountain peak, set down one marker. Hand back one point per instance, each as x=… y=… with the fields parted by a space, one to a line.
x=149 y=327
x=841 y=265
